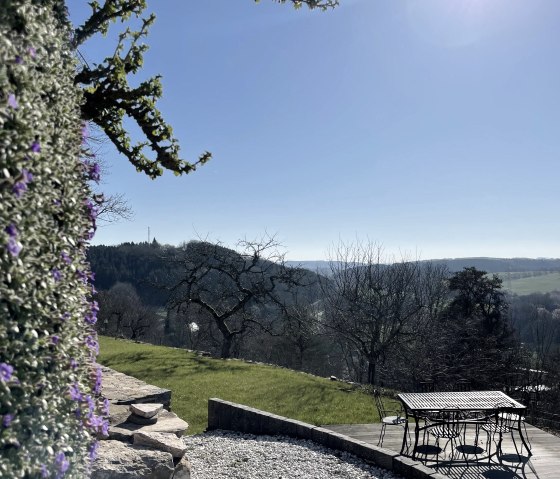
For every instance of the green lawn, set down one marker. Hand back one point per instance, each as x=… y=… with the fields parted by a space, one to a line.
x=194 y=379
x=545 y=283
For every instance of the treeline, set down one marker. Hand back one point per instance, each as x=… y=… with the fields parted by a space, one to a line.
x=368 y=320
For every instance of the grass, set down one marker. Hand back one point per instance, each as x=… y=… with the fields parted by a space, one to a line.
x=193 y=379
x=545 y=283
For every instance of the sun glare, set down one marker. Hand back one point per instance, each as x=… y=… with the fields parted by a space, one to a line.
x=451 y=23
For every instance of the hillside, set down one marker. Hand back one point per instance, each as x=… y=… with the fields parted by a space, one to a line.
x=151 y=267
x=147 y=267
x=537 y=282
x=193 y=379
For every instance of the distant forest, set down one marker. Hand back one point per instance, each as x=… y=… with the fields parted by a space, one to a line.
x=490 y=265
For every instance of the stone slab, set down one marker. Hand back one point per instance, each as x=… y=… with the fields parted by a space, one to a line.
x=117 y=460
x=146 y=410
x=167 y=422
x=119 y=388
x=143 y=421
x=162 y=441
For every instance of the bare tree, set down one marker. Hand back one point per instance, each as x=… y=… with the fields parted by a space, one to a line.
x=122 y=313
x=375 y=304
x=110 y=208
x=234 y=288
x=301 y=327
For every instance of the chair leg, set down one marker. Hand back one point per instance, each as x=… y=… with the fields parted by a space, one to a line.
x=382 y=435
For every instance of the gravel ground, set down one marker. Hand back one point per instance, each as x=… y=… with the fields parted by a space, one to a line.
x=228 y=455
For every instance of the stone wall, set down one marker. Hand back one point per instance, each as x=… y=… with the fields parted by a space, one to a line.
x=143 y=440
x=236 y=417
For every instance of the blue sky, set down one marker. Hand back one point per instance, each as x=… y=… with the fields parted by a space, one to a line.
x=428 y=126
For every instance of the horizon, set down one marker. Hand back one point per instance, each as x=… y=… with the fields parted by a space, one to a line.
x=429 y=127
x=327 y=260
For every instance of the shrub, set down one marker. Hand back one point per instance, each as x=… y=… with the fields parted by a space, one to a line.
x=49 y=411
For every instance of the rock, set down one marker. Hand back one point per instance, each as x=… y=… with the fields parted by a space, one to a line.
x=122 y=389
x=333 y=378
x=162 y=441
x=117 y=460
x=183 y=469
x=146 y=410
x=167 y=422
x=142 y=421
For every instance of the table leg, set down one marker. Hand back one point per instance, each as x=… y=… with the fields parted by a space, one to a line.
x=416 y=434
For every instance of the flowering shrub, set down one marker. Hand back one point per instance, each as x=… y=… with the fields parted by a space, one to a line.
x=49 y=407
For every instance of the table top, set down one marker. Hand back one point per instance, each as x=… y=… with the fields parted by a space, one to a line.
x=467 y=400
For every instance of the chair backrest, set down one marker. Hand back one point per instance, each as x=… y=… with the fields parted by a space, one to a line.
x=379 y=404
x=427 y=386
x=462 y=385
x=507 y=416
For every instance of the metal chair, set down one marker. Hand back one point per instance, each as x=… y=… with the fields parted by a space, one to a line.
x=448 y=426
x=462 y=385
x=505 y=421
x=386 y=418
x=426 y=386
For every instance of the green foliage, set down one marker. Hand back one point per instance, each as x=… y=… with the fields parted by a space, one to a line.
x=321 y=4
x=479 y=342
x=48 y=410
x=194 y=379
x=109 y=98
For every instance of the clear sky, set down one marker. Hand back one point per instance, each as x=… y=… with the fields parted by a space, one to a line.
x=429 y=126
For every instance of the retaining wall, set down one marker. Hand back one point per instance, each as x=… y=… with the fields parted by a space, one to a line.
x=237 y=417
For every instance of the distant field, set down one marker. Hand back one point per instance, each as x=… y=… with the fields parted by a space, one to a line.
x=194 y=379
x=534 y=284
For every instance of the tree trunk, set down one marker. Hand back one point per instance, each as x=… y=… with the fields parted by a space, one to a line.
x=371 y=372
x=226 y=346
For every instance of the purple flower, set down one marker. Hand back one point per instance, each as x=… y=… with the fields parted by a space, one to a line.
x=91 y=317
x=82 y=275
x=14 y=247
x=6 y=372
x=11 y=230
x=91 y=405
x=55 y=339
x=21 y=186
x=27 y=175
x=12 y=101
x=105 y=407
x=99 y=424
x=57 y=202
x=7 y=420
x=66 y=257
x=31 y=52
x=44 y=471
x=65 y=317
x=105 y=427
x=97 y=384
x=61 y=462
x=73 y=363
x=19 y=189
x=75 y=393
x=57 y=275
x=92 y=344
x=93 y=451
x=36 y=147
x=85 y=132
x=19 y=60
x=94 y=172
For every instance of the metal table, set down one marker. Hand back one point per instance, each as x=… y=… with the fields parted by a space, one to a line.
x=418 y=405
